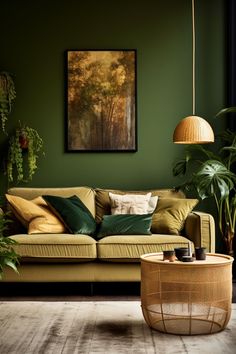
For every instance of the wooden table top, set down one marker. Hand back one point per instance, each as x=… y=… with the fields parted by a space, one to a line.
x=211 y=259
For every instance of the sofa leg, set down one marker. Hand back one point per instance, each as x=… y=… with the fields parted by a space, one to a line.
x=91 y=289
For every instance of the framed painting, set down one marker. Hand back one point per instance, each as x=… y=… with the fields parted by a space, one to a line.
x=101 y=105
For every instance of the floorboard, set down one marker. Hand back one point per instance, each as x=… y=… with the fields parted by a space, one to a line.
x=97 y=328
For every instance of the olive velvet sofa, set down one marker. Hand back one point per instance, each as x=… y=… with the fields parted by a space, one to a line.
x=70 y=257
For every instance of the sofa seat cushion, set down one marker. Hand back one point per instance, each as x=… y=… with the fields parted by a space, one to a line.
x=119 y=248
x=54 y=247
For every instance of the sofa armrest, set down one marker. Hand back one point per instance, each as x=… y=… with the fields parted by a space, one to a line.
x=200 y=229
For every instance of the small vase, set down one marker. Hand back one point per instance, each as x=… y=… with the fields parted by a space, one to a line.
x=200 y=253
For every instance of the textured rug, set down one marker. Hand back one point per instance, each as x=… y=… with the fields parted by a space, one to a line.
x=111 y=327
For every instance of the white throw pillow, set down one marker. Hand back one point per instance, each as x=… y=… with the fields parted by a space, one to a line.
x=152 y=204
x=130 y=203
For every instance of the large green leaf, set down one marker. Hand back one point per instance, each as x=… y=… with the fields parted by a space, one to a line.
x=227 y=136
x=213 y=178
x=230 y=155
x=11 y=264
x=229 y=148
x=226 y=110
x=180 y=168
x=193 y=154
x=8 y=256
x=198 y=152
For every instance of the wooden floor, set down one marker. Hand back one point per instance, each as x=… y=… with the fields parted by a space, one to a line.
x=97 y=327
x=74 y=292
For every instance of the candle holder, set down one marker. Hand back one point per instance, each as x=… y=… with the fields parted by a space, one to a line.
x=169 y=255
x=200 y=253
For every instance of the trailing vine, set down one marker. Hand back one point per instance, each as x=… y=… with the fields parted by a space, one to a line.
x=7 y=97
x=23 y=152
x=15 y=158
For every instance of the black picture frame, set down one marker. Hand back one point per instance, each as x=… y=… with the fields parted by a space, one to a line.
x=101 y=100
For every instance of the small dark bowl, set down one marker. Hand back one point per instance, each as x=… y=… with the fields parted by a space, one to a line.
x=180 y=252
x=187 y=259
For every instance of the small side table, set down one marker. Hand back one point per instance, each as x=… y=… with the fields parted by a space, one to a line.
x=186 y=298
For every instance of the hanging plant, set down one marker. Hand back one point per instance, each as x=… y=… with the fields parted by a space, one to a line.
x=7 y=97
x=24 y=146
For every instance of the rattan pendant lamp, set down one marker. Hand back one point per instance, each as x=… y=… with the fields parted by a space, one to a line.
x=193 y=129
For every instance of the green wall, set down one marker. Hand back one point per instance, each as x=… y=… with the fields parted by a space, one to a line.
x=34 y=37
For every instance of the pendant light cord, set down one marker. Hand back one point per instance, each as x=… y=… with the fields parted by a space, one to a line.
x=193 y=54
x=193 y=129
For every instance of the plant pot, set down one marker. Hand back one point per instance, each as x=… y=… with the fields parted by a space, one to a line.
x=23 y=142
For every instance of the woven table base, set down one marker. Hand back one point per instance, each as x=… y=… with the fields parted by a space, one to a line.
x=186 y=298
x=178 y=321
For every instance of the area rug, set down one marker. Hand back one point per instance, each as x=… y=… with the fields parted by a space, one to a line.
x=111 y=327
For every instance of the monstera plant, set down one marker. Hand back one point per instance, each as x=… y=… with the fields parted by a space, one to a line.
x=213 y=175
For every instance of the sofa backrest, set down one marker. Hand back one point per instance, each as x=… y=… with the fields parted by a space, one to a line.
x=96 y=200
x=103 y=205
x=86 y=194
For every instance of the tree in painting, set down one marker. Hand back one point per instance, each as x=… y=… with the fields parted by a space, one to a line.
x=101 y=100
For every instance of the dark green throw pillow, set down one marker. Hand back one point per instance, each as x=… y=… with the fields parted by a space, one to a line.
x=125 y=224
x=72 y=211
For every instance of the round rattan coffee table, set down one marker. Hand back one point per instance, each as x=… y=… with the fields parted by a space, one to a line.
x=186 y=298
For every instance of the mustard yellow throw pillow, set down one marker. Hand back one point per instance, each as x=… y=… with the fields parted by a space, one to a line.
x=170 y=215
x=35 y=215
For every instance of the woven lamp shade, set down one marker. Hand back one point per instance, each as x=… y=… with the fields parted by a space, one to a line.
x=193 y=130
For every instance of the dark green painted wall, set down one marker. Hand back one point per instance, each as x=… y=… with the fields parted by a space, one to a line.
x=34 y=36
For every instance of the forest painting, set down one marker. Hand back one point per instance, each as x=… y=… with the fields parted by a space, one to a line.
x=101 y=100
